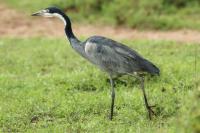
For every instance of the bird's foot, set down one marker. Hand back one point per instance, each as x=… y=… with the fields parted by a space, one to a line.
x=150 y=111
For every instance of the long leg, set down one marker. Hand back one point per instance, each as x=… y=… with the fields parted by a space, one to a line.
x=148 y=107
x=112 y=97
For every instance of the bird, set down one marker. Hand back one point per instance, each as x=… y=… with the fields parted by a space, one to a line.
x=112 y=57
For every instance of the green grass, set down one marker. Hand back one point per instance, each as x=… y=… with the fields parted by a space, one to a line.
x=143 y=14
x=45 y=86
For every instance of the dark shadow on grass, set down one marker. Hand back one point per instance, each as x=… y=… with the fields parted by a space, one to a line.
x=132 y=81
x=84 y=87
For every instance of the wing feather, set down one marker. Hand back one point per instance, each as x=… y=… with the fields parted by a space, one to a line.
x=111 y=56
x=115 y=57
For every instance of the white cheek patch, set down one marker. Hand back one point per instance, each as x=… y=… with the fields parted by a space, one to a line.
x=47 y=15
x=60 y=17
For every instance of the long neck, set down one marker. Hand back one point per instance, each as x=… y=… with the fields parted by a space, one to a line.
x=68 y=30
x=75 y=43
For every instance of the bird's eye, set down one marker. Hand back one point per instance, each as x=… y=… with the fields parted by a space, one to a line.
x=47 y=10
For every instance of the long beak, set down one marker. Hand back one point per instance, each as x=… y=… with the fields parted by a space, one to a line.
x=36 y=14
x=39 y=13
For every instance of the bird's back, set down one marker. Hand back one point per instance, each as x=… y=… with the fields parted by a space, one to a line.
x=116 y=58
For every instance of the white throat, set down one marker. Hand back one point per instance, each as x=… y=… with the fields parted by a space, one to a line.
x=60 y=17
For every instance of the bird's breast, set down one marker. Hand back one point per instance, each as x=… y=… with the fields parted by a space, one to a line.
x=90 y=48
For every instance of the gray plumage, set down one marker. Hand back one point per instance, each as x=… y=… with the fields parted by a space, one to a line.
x=115 y=58
x=110 y=56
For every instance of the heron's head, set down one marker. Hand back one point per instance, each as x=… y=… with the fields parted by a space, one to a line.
x=51 y=12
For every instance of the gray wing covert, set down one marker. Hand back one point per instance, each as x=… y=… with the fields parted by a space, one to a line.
x=135 y=61
x=111 y=57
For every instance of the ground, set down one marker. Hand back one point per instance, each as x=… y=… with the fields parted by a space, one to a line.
x=23 y=25
x=46 y=87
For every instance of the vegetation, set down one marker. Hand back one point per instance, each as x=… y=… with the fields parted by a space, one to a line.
x=45 y=86
x=142 y=14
